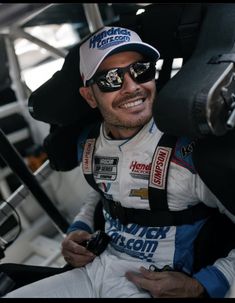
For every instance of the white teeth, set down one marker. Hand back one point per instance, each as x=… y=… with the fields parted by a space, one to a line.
x=132 y=104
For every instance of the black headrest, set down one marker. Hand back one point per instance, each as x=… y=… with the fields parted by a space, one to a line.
x=58 y=100
x=193 y=102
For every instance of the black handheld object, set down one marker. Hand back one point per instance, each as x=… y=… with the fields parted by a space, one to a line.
x=152 y=267
x=97 y=243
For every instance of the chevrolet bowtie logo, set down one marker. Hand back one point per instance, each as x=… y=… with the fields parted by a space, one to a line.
x=141 y=192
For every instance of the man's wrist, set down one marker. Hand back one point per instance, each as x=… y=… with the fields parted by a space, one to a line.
x=198 y=289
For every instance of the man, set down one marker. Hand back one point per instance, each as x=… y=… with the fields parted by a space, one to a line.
x=150 y=191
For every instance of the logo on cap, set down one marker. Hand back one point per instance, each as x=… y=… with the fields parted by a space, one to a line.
x=110 y=37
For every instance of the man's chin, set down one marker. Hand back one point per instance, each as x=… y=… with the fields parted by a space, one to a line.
x=130 y=124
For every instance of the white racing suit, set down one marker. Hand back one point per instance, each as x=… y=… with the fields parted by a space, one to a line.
x=122 y=170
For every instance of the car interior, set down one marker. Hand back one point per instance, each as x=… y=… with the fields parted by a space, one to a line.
x=199 y=94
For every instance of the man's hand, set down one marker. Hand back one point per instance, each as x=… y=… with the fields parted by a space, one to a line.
x=166 y=284
x=72 y=250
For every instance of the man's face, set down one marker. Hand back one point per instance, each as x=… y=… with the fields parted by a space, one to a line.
x=130 y=107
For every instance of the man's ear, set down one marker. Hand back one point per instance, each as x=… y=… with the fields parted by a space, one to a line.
x=87 y=94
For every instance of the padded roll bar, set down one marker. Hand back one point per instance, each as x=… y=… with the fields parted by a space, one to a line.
x=16 y=163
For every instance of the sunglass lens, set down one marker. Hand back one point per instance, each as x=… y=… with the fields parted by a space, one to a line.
x=110 y=81
x=143 y=71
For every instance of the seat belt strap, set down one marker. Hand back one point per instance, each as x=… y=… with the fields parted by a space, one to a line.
x=157 y=218
x=157 y=188
x=87 y=159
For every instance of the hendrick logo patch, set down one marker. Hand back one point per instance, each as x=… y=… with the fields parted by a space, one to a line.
x=159 y=167
x=87 y=156
x=140 y=170
x=108 y=38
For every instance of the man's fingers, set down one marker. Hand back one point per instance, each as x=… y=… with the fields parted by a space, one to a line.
x=150 y=274
x=154 y=275
x=69 y=246
x=78 y=260
x=68 y=259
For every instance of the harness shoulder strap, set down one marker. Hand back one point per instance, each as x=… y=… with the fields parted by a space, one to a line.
x=87 y=158
x=159 y=172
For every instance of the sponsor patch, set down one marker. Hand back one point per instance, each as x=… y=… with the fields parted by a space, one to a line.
x=106 y=168
x=108 y=38
x=140 y=170
x=137 y=241
x=159 y=167
x=183 y=153
x=87 y=156
x=188 y=149
x=140 y=192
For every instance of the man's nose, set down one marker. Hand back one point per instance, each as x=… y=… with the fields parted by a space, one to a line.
x=129 y=84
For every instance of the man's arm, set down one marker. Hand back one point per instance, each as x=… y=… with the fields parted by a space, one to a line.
x=84 y=220
x=80 y=230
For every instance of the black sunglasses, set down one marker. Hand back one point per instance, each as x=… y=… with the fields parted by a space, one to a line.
x=112 y=79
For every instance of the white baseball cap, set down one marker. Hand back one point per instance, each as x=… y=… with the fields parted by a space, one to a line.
x=109 y=40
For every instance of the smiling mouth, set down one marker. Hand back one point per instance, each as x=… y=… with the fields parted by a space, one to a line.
x=132 y=104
